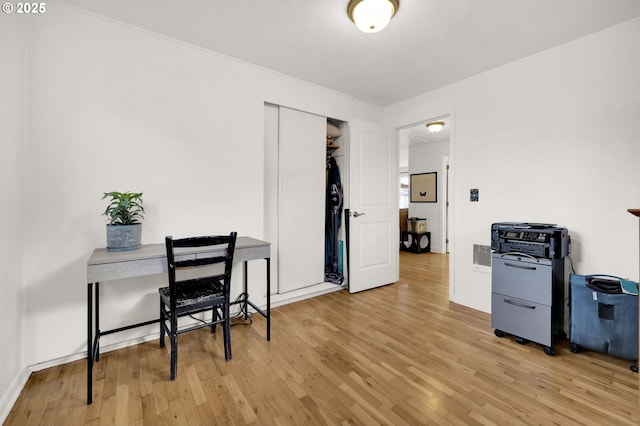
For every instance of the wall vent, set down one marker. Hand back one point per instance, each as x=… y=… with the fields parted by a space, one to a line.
x=481 y=258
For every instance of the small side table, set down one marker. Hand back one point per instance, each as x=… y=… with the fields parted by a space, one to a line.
x=416 y=242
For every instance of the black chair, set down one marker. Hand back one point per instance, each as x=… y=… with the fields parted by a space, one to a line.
x=200 y=287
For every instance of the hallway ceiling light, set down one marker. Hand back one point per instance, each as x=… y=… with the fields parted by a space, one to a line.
x=371 y=16
x=435 y=126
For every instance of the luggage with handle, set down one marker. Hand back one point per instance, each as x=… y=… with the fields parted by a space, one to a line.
x=604 y=315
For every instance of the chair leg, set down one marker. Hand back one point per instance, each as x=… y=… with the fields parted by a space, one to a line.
x=174 y=357
x=162 y=322
x=227 y=332
x=174 y=345
x=214 y=317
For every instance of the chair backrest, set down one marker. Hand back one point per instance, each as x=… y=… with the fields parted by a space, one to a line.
x=195 y=252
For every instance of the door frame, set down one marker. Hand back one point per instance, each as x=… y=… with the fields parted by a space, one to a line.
x=450 y=188
x=445 y=204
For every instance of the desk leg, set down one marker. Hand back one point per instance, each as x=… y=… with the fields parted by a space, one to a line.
x=245 y=302
x=96 y=352
x=93 y=335
x=245 y=289
x=89 y=343
x=268 y=259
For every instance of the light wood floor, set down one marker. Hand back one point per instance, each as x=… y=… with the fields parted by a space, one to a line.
x=397 y=355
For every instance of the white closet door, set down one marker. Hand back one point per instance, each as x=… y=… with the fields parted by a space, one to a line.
x=302 y=166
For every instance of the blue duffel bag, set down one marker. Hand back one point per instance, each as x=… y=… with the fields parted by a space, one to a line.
x=604 y=315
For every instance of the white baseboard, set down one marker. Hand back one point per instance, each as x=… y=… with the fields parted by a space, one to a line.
x=83 y=355
x=305 y=293
x=11 y=394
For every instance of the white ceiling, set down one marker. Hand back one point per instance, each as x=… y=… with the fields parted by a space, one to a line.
x=428 y=44
x=418 y=134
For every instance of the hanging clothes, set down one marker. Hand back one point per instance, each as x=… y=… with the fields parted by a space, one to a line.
x=333 y=213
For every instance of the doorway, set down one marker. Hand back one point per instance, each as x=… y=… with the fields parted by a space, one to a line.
x=423 y=151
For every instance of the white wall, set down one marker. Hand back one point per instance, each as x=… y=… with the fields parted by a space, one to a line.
x=554 y=137
x=12 y=138
x=427 y=158
x=116 y=108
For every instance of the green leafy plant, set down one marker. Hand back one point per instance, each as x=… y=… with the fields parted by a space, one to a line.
x=125 y=208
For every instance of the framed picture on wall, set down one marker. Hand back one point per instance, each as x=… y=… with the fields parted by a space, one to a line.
x=423 y=188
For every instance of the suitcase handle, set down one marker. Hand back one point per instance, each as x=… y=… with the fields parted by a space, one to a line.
x=520 y=305
x=608 y=284
x=625 y=285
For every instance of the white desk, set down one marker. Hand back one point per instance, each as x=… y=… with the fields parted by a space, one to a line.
x=104 y=265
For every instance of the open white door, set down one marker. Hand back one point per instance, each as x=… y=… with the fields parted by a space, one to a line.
x=373 y=203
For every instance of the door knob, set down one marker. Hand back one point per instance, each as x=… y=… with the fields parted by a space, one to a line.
x=356 y=214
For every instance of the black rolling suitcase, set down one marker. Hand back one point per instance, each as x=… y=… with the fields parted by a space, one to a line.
x=604 y=316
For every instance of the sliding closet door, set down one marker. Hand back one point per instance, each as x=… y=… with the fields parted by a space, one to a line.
x=302 y=160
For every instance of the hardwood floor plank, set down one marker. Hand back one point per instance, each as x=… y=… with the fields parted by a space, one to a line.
x=401 y=354
x=121 y=405
x=195 y=385
x=235 y=403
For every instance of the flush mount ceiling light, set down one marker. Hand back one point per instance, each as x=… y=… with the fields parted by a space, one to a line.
x=371 y=16
x=435 y=126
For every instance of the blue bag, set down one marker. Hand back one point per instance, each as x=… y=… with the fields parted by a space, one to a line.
x=604 y=315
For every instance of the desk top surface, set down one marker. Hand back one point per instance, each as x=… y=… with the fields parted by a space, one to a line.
x=101 y=256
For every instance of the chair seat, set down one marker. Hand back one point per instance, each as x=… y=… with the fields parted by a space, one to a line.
x=194 y=294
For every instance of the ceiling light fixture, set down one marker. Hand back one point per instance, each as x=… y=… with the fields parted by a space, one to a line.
x=371 y=16
x=435 y=126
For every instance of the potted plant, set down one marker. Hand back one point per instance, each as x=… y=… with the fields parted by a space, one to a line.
x=124 y=213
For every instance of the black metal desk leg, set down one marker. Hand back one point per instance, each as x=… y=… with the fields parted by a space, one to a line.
x=89 y=343
x=245 y=289
x=268 y=259
x=96 y=351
